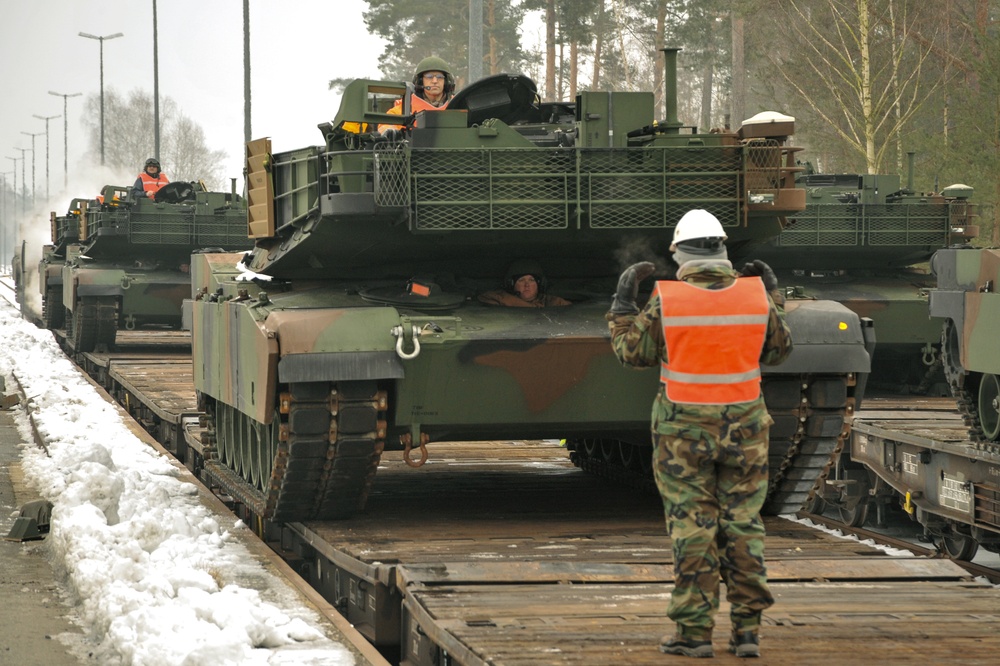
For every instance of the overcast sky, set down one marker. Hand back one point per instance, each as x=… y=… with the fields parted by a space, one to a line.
x=297 y=46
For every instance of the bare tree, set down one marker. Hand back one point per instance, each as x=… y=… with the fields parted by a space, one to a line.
x=128 y=122
x=861 y=54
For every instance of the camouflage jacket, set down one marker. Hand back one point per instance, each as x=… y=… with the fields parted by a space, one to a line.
x=638 y=342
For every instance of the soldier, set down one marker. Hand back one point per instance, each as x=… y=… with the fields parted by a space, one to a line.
x=524 y=286
x=707 y=331
x=150 y=180
x=433 y=88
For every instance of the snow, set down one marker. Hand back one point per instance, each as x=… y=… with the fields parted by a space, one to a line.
x=155 y=577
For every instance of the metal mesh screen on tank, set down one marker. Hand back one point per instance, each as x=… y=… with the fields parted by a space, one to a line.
x=530 y=188
x=871 y=224
x=188 y=228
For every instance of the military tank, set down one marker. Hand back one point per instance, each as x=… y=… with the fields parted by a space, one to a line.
x=119 y=262
x=353 y=325
x=864 y=240
x=966 y=299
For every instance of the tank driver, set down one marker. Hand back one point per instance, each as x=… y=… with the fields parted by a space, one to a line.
x=150 y=180
x=708 y=331
x=524 y=286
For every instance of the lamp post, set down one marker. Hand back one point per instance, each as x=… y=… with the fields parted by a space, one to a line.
x=101 y=39
x=24 y=183
x=3 y=217
x=46 y=119
x=65 y=133
x=14 y=203
x=32 y=135
x=156 y=89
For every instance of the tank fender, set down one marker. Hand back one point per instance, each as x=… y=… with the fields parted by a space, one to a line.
x=826 y=336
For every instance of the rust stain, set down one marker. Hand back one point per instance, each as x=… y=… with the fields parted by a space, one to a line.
x=547 y=371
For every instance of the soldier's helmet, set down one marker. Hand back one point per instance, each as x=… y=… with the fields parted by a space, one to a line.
x=433 y=64
x=519 y=269
x=698 y=230
x=152 y=161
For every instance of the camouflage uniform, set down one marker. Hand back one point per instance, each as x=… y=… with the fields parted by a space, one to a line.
x=710 y=463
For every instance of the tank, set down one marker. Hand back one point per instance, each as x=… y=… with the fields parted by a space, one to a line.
x=966 y=306
x=864 y=240
x=353 y=326
x=119 y=262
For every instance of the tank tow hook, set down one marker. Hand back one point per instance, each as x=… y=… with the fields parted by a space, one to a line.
x=930 y=355
x=403 y=335
x=407 y=442
x=130 y=322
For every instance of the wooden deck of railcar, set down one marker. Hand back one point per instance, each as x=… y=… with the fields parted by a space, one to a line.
x=506 y=554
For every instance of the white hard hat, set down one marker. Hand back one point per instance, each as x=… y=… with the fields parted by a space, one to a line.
x=697 y=223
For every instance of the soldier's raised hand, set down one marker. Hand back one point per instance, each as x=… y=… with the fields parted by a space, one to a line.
x=624 y=301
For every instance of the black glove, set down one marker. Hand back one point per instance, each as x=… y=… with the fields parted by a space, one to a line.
x=628 y=288
x=763 y=271
x=392 y=135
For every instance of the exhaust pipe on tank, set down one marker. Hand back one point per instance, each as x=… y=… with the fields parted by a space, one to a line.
x=671 y=125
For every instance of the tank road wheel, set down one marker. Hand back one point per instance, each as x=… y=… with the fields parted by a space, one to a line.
x=628 y=455
x=958 y=546
x=94 y=322
x=989 y=406
x=53 y=310
x=590 y=447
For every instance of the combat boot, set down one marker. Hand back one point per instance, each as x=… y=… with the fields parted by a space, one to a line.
x=745 y=643
x=688 y=647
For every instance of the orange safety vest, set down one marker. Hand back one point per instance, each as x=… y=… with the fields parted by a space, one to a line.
x=714 y=339
x=150 y=184
x=416 y=104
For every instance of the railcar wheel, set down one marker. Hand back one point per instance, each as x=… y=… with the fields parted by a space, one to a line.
x=958 y=546
x=854 y=511
x=989 y=406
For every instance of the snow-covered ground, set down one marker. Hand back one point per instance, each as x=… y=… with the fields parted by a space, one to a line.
x=153 y=575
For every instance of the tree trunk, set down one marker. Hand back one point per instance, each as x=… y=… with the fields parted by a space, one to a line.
x=864 y=36
x=737 y=102
x=598 y=46
x=574 y=70
x=659 y=103
x=550 y=50
x=492 y=19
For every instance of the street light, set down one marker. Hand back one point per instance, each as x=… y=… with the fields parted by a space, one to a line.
x=14 y=203
x=3 y=217
x=101 y=39
x=46 y=119
x=65 y=134
x=32 y=135
x=24 y=183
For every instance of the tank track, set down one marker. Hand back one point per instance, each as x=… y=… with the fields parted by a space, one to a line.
x=326 y=447
x=964 y=388
x=53 y=310
x=94 y=322
x=811 y=422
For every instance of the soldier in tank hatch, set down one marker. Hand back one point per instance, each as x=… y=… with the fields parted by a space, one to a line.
x=708 y=330
x=524 y=286
x=150 y=180
x=433 y=88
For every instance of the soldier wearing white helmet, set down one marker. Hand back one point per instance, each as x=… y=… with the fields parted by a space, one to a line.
x=708 y=331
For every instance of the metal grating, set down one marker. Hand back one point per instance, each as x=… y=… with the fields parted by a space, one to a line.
x=875 y=225
x=532 y=188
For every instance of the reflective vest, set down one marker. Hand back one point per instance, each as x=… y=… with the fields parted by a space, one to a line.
x=416 y=104
x=714 y=338
x=150 y=184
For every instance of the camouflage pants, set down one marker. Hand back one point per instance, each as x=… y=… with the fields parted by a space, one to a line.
x=713 y=490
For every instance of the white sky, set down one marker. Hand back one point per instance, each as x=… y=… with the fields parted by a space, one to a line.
x=153 y=577
x=297 y=46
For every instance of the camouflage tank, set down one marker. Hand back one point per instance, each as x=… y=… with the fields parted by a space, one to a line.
x=864 y=241
x=123 y=263
x=966 y=298
x=355 y=326
x=65 y=231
